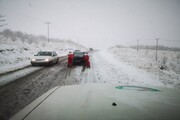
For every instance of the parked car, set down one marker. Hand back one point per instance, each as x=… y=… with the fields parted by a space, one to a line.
x=45 y=58
x=104 y=102
x=78 y=58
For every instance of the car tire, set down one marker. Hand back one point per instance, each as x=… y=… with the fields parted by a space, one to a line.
x=33 y=64
x=48 y=65
x=57 y=61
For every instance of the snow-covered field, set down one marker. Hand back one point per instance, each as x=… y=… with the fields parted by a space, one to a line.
x=17 y=54
x=166 y=69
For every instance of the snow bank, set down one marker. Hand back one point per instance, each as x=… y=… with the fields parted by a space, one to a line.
x=16 y=54
x=166 y=68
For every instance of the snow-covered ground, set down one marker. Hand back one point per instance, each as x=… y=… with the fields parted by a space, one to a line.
x=127 y=68
x=116 y=65
x=106 y=69
x=16 y=75
x=17 y=54
x=144 y=60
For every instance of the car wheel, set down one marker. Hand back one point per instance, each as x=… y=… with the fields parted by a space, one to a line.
x=33 y=64
x=57 y=61
x=48 y=63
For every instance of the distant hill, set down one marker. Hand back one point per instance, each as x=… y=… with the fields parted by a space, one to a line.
x=29 y=38
x=160 y=47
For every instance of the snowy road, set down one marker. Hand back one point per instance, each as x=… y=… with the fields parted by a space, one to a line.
x=104 y=69
x=18 y=94
x=10 y=76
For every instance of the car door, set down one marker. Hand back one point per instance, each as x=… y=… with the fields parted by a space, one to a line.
x=55 y=57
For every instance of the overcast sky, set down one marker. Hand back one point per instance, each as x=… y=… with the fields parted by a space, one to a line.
x=97 y=23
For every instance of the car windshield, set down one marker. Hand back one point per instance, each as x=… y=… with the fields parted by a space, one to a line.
x=44 y=54
x=78 y=54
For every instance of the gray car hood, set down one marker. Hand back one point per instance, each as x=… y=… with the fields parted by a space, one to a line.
x=42 y=57
x=104 y=102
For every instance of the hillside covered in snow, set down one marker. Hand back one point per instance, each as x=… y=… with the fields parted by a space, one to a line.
x=166 y=68
x=17 y=48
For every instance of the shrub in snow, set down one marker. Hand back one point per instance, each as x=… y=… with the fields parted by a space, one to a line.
x=163 y=67
x=163 y=63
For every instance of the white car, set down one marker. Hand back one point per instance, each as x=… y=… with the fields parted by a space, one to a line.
x=104 y=102
x=45 y=58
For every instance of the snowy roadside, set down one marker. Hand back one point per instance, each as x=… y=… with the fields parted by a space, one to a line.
x=15 y=55
x=106 y=69
x=110 y=70
x=145 y=60
x=14 y=76
x=11 y=68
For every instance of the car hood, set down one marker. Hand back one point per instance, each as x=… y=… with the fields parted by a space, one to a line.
x=42 y=57
x=104 y=102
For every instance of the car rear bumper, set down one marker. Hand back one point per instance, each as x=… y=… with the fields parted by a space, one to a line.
x=78 y=63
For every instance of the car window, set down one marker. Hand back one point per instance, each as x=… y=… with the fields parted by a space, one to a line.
x=55 y=53
x=44 y=54
x=78 y=54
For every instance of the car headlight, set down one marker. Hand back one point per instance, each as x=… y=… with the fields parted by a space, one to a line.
x=33 y=59
x=46 y=60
